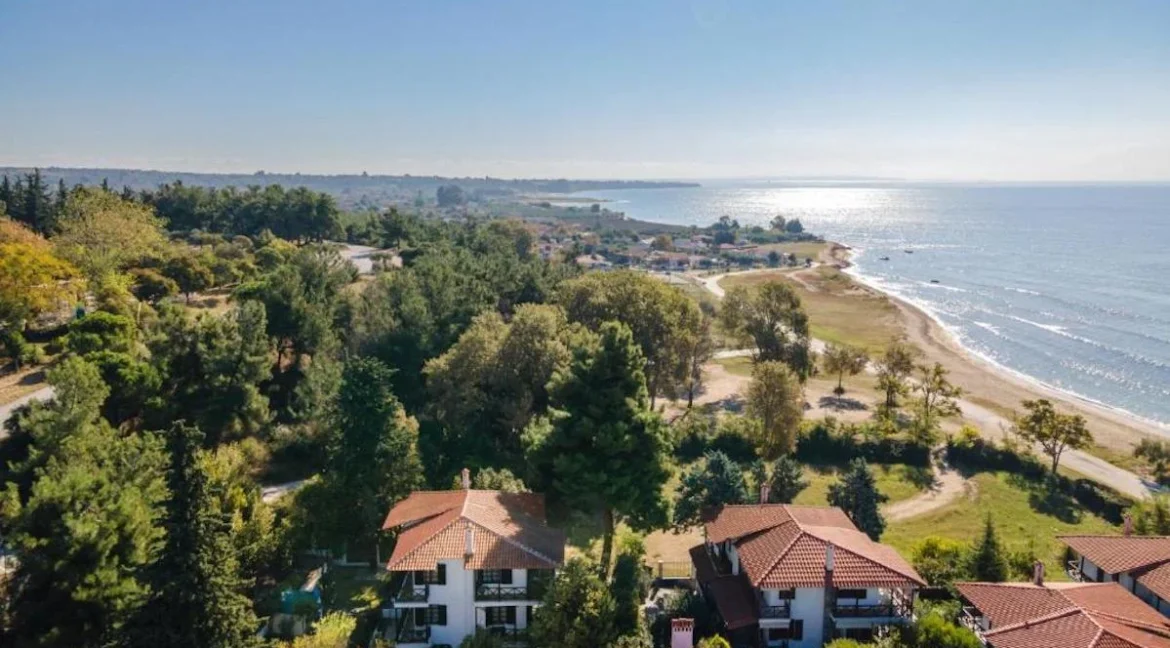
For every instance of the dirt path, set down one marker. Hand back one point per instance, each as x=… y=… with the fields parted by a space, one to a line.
x=948 y=486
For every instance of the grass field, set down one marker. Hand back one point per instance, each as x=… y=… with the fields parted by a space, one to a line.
x=840 y=311
x=804 y=250
x=895 y=481
x=1021 y=513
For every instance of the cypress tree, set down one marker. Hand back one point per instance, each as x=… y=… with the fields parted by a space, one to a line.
x=197 y=600
x=856 y=493
x=6 y=193
x=37 y=206
x=987 y=561
x=787 y=480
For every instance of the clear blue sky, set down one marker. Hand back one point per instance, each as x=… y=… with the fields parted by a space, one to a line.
x=937 y=89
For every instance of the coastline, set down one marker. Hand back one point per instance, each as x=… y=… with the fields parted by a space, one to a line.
x=993 y=385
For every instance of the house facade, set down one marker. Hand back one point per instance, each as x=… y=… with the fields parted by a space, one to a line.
x=798 y=577
x=468 y=559
x=1064 y=615
x=1139 y=564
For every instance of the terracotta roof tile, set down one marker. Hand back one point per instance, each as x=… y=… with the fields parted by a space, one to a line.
x=1156 y=579
x=735 y=601
x=508 y=531
x=1066 y=615
x=1116 y=554
x=785 y=546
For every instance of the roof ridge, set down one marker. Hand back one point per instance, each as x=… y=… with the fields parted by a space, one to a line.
x=1026 y=623
x=428 y=540
x=513 y=542
x=784 y=552
x=1129 y=621
x=848 y=550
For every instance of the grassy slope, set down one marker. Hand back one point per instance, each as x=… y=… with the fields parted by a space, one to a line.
x=1020 y=514
x=898 y=482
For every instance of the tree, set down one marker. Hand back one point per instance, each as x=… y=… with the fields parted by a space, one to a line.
x=936 y=400
x=606 y=451
x=663 y=242
x=841 y=359
x=987 y=559
x=334 y=629
x=197 y=599
x=151 y=286
x=213 y=369
x=32 y=279
x=715 y=482
x=941 y=561
x=893 y=368
x=666 y=324
x=1053 y=431
x=450 y=196
x=931 y=630
x=725 y=230
x=774 y=259
x=578 y=610
x=189 y=273
x=629 y=586
x=87 y=527
x=772 y=319
x=1157 y=455
x=100 y=331
x=793 y=226
x=100 y=232
x=856 y=493
x=776 y=399
x=787 y=480
x=492 y=479
x=372 y=456
x=482 y=638
x=777 y=223
x=1151 y=516
x=699 y=349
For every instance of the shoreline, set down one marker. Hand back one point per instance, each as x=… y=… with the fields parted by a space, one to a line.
x=1113 y=427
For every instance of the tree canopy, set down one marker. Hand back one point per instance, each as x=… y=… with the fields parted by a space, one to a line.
x=771 y=318
x=856 y=493
x=1055 y=432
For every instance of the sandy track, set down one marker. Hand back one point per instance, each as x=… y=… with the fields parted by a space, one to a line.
x=949 y=485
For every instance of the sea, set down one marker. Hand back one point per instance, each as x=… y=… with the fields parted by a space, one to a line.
x=1068 y=285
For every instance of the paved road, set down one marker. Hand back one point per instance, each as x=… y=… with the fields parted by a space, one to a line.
x=6 y=410
x=995 y=426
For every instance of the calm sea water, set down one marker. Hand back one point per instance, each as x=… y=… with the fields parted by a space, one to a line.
x=1069 y=285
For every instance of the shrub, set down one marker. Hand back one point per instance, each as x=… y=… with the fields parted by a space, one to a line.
x=827 y=441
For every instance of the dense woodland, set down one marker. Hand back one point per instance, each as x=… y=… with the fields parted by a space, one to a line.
x=204 y=341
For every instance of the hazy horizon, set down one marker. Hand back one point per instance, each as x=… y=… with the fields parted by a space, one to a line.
x=917 y=91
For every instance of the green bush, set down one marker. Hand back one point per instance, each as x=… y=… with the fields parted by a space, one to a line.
x=825 y=441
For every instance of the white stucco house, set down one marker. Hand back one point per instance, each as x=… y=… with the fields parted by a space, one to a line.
x=468 y=559
x=1140 y=564
x=798 y=577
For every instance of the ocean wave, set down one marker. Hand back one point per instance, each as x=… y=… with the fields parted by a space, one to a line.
x=938 y=286
x=1022 y=291
x=989 y=327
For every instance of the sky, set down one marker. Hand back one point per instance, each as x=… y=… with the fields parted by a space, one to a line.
x=998 y=90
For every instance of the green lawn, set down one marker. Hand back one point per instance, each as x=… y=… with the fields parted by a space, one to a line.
x=1021 y=514
x=896 y=481
x=355 y=587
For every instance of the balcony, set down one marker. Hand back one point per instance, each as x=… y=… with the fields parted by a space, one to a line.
x=775 y=611
x=412 y=593
x=855 y=611
x=409 y=633
x=511 y=636
x=493 y=592
x=1073 y=569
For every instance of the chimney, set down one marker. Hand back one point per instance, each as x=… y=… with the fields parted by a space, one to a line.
x=1128 y=524
x=682 y=633
x=469 y=541
x=765 y=492
x=466 y=479
x=1038 y=574
x=829 y=558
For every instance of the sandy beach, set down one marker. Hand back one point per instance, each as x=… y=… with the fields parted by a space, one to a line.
x=995 y=387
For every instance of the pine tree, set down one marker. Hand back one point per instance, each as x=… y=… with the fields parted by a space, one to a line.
x=607 y=451
x=6 y=194
x=717 y=482
x=197 y=600
x=987 y=560
x=787 y=480
x=856 y=493
x=38 y=209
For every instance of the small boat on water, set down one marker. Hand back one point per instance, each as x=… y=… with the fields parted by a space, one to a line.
x=884 y=259
x=909 y=251
x=934 y=281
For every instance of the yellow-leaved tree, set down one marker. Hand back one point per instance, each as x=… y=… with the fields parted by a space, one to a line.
x=100 y=232
x=32 y=279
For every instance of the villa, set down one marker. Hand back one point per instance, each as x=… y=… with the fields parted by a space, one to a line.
x=797 y=577
x=1140 y=564
x=1064 y=615
x=469 y=559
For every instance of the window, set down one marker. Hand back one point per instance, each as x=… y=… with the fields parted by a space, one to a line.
x=494 y=576
x=851 y=594
x=431 y=615
x=857 y=634
x=436 y=577
x=496 y=616
x=795 y=630
x=786 y=595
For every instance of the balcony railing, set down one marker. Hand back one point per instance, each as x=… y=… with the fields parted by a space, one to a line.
x=855 y=611
x=511 y=636
x=775 y=611
x=1073 y=569
x=412 y=593
x=408 y=632
x=969 y=619
x=492 y=592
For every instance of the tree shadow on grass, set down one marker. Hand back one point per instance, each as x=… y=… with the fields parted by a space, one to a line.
x=922 y=477
x=1047 y=500
x=842 y=403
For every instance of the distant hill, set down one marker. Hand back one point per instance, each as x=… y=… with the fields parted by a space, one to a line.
x=351 y=191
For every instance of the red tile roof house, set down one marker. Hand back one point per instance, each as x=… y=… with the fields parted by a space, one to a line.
x=795 y=576
x=1061 y=615
x=470 y=558
x=1140 y=564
